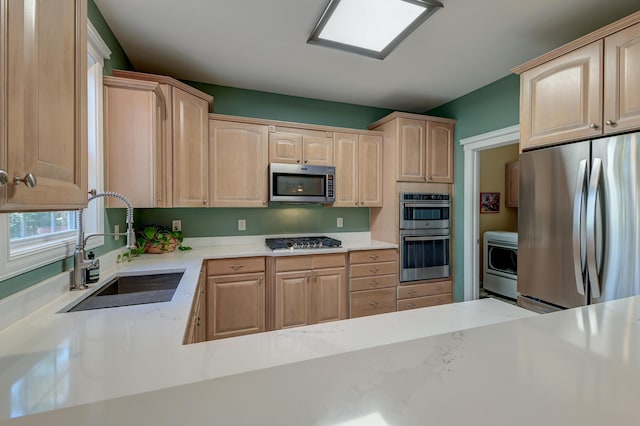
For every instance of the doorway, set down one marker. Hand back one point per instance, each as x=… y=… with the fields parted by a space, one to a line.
x=472 y=239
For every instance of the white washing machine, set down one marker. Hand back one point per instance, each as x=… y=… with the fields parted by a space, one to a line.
x=500 y=263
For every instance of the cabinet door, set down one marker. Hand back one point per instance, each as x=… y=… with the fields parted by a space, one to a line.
x=43 y=102
x=236 y=305
x=239 y=164
x=512 y=183
x=318 y=150
x=292 y=299
x=190 y=157
x=134 y=147
x=370 y=171
x=328 y=295
x=346 y=162
x=622 y=80
x=285 y=147
x=439 y=152
x=561 y=100
x=411 y=145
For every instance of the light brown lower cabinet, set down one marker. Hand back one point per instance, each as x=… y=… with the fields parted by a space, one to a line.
x=425 y=294
x=310 y=290
x=236 y=300
x=373 y=280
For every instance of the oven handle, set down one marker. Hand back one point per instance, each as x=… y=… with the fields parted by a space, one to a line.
x=427 y=238
x=428 y=204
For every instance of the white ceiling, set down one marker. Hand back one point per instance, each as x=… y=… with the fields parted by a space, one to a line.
x=261 y=45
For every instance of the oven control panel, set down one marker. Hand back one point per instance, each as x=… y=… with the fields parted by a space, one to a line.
x=419 y=196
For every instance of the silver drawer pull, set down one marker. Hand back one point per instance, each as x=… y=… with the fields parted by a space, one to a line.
x=411 y=305
x=374 y=256
x=29 y=180
x=236 y=267
x=374 y=304
x=412 y=292
x=4 y=178
x=374 y=270
x=373 y=283
x=440 y=288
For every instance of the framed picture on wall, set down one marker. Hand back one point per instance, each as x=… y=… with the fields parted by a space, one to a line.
x=489 y=202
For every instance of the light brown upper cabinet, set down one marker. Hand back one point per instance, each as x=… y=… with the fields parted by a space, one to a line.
x=43 y=104
x=358 y=161
x=512 y=184
x=423 y=144
x=135 y=147
x=186 y=128
x=238 y=158
x=300 y=146
x=584 y=89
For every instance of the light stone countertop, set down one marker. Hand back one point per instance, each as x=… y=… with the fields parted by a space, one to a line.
x=55 y=363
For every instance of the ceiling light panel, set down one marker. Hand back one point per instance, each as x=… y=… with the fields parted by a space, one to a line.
x=370 y=27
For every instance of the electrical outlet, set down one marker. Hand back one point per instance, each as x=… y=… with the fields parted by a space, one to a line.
x=339 y=223
x=116 y=231
x=242 y=224
x=176 y=225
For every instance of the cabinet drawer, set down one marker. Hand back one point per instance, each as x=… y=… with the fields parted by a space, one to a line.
x=294 y=263
x=236 y=265
x=429 y=289
x=372 y=302
x=372 y=283
x=373 y=269
x=321 y=261
x=369 y=256
x=422 y=302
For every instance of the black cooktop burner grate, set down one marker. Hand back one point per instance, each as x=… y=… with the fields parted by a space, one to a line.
x=302 y=243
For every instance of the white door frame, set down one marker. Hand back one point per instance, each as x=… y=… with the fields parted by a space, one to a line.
x=472 y=147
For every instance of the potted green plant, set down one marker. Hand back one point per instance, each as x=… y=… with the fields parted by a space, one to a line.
x=155 y=239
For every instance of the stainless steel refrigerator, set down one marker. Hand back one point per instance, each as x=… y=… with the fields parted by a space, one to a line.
x=579 y=223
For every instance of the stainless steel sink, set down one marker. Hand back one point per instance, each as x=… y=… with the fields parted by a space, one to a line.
x=131 y=290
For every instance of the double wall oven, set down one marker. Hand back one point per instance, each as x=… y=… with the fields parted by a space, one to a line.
x=425 y=236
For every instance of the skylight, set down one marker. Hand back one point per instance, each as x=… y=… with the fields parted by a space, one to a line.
x=370 y=27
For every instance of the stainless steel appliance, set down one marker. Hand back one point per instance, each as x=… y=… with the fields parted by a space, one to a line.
x=295 y=183
x=297 y=243
x=500 y=263
x=579 y=223
x=425 y=236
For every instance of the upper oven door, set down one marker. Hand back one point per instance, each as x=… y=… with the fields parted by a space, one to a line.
x=424 y=214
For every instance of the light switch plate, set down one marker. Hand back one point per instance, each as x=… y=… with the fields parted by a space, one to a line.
x=116 y=231
x=176 y=225
x=242 y=224
x=339 y=223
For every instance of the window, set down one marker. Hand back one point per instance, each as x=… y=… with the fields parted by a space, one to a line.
x=30 y=240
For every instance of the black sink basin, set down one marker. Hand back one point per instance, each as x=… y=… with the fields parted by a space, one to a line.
x=131 y=290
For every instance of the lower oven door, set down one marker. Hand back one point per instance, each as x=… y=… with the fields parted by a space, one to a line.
x=424 y=255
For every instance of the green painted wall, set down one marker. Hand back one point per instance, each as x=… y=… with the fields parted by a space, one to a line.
x=489 y=108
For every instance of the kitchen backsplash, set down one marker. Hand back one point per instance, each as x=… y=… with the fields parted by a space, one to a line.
x=210 y=222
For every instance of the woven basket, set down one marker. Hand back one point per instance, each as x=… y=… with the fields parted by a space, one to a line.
x=153 y=249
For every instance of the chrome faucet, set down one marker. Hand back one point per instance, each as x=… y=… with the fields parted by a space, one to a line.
x=80 y=263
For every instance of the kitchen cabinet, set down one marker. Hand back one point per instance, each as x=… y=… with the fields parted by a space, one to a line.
x=238 y=156
x=300 y=146
x=196 y=329
x=310 y=289
x=372 y=282
x=584 y=89
x=134 y=111
x=423 y=144
x=512 y=183
x=424 y=294
x=43 y=104
x=358 y=161
x=186 y=129
x=235 y=297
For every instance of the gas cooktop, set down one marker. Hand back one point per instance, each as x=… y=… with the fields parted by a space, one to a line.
x=302 y=243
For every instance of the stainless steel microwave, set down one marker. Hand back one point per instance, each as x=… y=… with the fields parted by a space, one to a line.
x=296 y=183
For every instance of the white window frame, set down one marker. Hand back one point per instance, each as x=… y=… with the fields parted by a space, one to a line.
x=28 y=256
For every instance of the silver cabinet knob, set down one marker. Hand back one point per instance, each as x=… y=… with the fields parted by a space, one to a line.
x=593 y=126
x=4 y=178
x=610 y=123
x=29 y=180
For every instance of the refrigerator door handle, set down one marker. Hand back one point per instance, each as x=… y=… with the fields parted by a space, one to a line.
x=578 y=205
x=592 y=198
